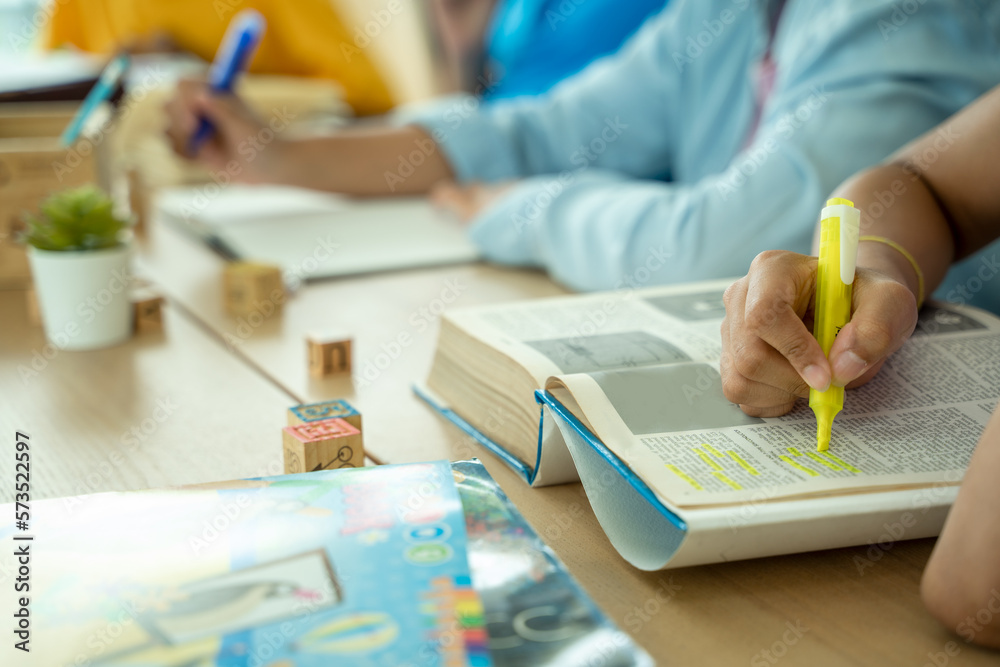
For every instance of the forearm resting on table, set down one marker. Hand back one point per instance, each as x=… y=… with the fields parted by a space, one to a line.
x=367 y=162
x=961 y=585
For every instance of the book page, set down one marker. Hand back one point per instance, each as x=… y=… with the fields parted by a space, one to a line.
x=915 y=424
x=605 y=331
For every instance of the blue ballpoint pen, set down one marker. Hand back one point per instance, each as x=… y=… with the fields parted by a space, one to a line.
x=234 y=54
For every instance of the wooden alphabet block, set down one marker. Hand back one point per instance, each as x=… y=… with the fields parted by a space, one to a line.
x=322 y=445
x=338 y=409
x=328 y=355
x=250 y=287
x=147 y=311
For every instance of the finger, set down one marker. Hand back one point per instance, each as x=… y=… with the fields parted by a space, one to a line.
x=757 y=361
x=750 y=395
x=454 y=199
x=867 y=375
x=885 y=313
x=780 y=289
x=182 y=114
x=762 y=400
x=776 y=411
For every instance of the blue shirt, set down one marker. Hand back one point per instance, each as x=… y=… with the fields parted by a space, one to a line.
x=532 y=45
x=635 y=171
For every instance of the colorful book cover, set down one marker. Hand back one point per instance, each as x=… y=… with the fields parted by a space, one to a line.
x=364 y=567
x=536 y=613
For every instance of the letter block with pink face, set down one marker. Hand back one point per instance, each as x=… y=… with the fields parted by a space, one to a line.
x=322 y=445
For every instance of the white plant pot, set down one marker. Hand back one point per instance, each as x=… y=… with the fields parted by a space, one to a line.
x=83 y=296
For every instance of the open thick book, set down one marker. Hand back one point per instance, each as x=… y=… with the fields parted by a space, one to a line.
x=633 y=407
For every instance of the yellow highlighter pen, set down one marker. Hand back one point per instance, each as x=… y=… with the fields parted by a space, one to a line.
x=838 y=255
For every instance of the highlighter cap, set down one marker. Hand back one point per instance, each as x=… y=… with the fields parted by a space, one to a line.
x=850 y=230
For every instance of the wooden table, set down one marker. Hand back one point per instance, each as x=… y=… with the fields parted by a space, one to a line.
x=809 y=609
x=164 y=409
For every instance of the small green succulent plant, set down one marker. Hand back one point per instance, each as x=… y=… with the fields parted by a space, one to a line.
x=77 y=219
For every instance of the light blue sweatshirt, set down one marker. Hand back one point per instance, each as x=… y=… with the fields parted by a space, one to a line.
x=637 y=170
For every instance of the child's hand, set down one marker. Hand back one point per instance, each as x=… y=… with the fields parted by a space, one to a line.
x=242 y=145
x=769 y=355
x=468 y=201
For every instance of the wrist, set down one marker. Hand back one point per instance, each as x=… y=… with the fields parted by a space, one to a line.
x=892 y=260
x=289 y=163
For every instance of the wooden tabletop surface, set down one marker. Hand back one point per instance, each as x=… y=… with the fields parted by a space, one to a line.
x=230 y=397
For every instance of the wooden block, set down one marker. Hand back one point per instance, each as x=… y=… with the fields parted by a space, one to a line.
x=147 y=311
x=34 y=312
x=313 y=412
x=328 y=355
x=250 y=287
x=322 y=445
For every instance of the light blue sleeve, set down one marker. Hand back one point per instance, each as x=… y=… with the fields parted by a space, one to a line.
x=493 y=141
x=856 y=80
x=851 y=94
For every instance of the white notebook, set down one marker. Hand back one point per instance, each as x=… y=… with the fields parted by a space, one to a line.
x=317 y=234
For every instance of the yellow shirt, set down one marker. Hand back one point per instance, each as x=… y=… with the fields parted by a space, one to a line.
x=304 y=37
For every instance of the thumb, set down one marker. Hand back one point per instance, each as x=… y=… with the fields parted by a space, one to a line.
x=885 y=313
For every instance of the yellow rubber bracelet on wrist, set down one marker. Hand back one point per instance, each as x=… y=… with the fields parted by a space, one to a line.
x=913 y=262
